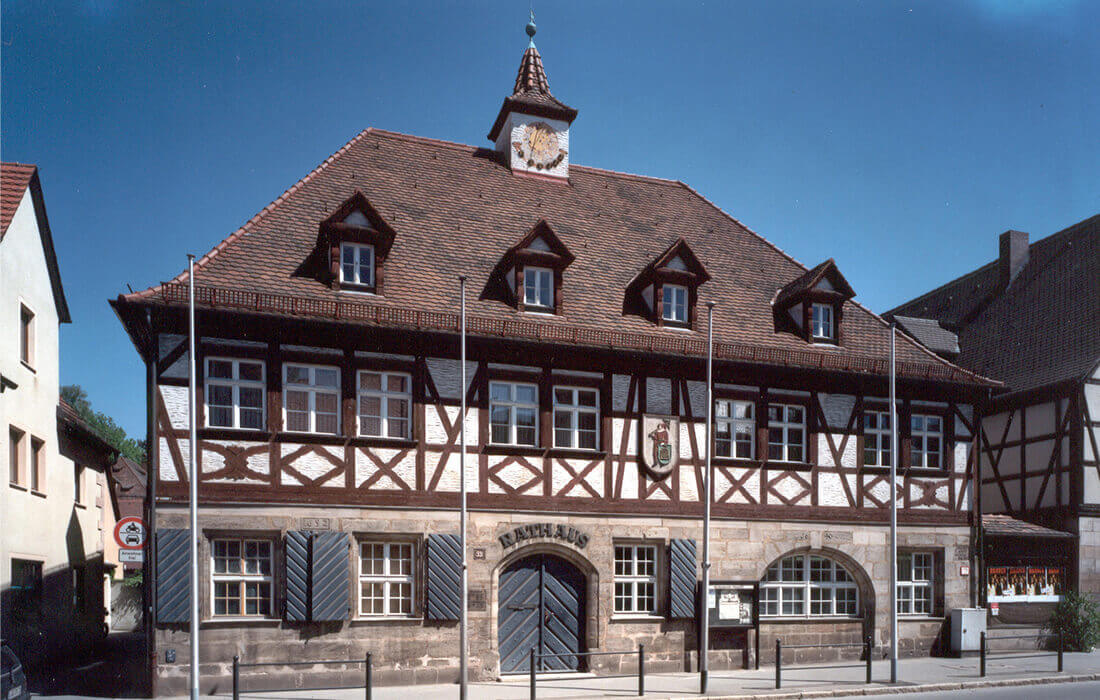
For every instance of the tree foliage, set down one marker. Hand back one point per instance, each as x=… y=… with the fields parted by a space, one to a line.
x=105 y=426
x=1077 y=619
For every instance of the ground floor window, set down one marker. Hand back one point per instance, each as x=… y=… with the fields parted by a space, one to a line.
x=808 y=585
x=26 y=584
x=241 y=577
x=385 y=578
x=635 y=579
x=915 y=583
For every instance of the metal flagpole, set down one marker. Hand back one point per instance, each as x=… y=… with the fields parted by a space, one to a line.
x=462 y=627
x=192 y=458
x=893 y=563
x=704 y=635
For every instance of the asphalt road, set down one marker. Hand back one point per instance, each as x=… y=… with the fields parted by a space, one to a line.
x=1066 y=691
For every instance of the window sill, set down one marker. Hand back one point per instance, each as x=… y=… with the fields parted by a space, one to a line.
x=28 y=366
x=578 y=452
x=377 y=441
x=902 y=617
x=384 y=619
x=522 y=450
x=348 y=288
x=40 y=494
x=909 y=471
x=217 y=432
x=215 y=622
x=824 y=619
x=17 y=486
x=636 y=617
x=788 y=466
x=80 y=505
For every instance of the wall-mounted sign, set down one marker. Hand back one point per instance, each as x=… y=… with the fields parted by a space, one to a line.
x=544 y=531
x=477 y=600
x=316 y=524
x=1024 y=584
x=660 y=444
x=732 y=603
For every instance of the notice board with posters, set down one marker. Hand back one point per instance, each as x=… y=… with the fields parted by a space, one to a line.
x=1024 y=584
x=733 y=603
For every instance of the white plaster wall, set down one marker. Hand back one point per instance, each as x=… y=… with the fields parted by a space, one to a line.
x=512 y=131
x=618 y=427
x=594 y=479
x=365 y=468
x=830 y=490
x=515 y=474
x=313 y=465
x=449 y=480
x=435 y=433
x=176 y=404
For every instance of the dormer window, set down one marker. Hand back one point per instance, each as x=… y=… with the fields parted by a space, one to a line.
x=357 y=265
x=538 y=288
x=355 y=241
x=675 y=304
x=811 y=306
x=529 y=276
x=667 y=290
x=822 y=320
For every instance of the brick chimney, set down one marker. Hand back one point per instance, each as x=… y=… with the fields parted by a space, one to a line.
x=1014 y=254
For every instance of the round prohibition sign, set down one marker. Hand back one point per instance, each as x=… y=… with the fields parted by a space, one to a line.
x=130 y=533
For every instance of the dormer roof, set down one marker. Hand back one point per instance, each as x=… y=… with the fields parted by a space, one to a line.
x=539 y=246
x=812 y=280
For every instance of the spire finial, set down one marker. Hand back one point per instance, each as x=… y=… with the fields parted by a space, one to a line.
x=531 y=29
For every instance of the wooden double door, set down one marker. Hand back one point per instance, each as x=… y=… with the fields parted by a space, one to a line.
x=542 y=607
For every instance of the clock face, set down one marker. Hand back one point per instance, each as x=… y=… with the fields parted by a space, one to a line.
x=539 y=146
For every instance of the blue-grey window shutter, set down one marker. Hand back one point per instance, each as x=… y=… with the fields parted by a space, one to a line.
x=681 y=579
x=329 y=582
x=173 y=576
x=444 y=577
x=297 y=576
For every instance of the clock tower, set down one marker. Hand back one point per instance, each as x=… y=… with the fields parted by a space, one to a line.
x=532 y=128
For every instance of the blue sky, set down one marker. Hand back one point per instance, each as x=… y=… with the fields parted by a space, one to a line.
x=898 y=138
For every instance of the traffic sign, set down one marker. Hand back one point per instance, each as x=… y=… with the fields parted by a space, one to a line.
x=130 y=533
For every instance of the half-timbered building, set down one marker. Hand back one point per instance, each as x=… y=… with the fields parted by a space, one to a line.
x=329 y=425
x=1032 y=319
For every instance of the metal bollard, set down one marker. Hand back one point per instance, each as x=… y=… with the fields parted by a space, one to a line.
x=236 y=677
x=532 y=673
x=778 y=664
x=981 y=652
x=641 y=670
x=870 y=649
x=1061 y=651
x=367 y=676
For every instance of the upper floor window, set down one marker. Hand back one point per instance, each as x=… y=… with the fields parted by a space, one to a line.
x=675 y=303
x=915 y=577
x=26 y=335
x=576 y=417
x=311 y=399
x=635 y=579
x=806 y=585
x=876 y=438
x=234 y=393
x=357 y=264
x=38 y=465
x=822 y=322
x=927 y=438
x=17 y=464
x=513 y=413
x=538 y=287
x=78 y=482
x=385 y=578
x=384 y=404
x=734 y=428
x=786 y=432
x=241 y=577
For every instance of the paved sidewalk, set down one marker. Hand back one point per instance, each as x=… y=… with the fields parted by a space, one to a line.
x=806 y=681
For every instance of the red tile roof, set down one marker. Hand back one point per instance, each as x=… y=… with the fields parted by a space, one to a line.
x=1007 y=526
x=14 y=179
x=456 y=210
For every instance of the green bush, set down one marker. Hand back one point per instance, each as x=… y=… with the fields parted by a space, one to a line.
x=1077 y=618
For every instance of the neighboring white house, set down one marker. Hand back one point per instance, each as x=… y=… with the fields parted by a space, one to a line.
x=57 y=506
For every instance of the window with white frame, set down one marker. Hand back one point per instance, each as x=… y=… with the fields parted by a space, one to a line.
x=576 y=417
x=876 y=438
x=675 y=306
x=734 y=428
x=786 y=432
x=635 y=578
x=241 y=577
x=538 y=287
x=807 y=585
x=513 y=413
x=385 y=578
x=234 y=391
x=926 y=433
x=822 y=322
x=311 y=399
x=357 y=264
x=915 y=577
x=385 y=399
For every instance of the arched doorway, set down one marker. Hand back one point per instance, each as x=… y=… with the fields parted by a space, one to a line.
x=541 y=606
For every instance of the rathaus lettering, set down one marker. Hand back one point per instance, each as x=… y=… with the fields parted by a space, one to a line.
x=537 y=530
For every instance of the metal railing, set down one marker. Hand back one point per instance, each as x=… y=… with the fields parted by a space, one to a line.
x=536 y=658
x=984 y=648
x=237 y=666
x=867 y=646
